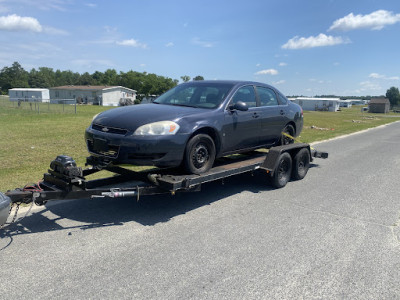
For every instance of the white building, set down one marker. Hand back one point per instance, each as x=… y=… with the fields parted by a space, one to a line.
x=29 y=95
x=91 y=94
x=346 y=103
x=318 y=104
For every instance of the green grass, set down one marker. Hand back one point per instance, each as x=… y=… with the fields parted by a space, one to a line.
x=30 y=141
x=320 y=126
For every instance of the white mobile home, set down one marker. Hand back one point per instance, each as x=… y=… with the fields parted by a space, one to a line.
x=346 y=103
x=90 y=94
x=29 y=95
x=318 y=104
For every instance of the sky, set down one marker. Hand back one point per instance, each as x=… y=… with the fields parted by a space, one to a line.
x=302 y=47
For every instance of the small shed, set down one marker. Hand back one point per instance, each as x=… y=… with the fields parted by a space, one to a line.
x=29 y=95
x=379 y=105
x=318 y=104
x=93 y=94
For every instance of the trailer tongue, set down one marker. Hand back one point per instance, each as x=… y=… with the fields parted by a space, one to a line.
x=64 y=180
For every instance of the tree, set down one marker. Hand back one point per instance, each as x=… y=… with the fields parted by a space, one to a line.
x=13 y=77
x=198 y=77
x=393 y=95
x=185 y=78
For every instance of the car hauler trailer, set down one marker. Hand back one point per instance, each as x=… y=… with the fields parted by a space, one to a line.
x=65 y=180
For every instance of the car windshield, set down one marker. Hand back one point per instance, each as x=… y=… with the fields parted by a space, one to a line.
x=196 y=94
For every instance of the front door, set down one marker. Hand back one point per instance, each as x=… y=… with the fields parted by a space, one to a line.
x=241 y=129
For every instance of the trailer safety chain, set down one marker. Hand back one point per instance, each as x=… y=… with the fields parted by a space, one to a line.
x=35 y=187
x=15 y=215
x=14 y=218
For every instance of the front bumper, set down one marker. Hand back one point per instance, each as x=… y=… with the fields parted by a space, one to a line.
x=160 y=151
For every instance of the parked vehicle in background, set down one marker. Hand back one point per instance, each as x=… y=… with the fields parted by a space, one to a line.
x=193 y=124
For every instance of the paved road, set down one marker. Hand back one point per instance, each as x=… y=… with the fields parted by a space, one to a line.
x=333 y=235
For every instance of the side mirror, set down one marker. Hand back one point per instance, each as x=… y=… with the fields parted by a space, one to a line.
x=239 y=106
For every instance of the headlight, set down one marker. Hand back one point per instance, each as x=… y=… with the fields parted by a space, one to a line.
x=158 y=128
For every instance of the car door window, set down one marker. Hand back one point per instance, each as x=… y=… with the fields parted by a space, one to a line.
x=282 y=100
x=247 y=95
x=267 y=96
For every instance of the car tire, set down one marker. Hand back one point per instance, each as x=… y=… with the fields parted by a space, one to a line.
x=301 y=164
x=199 y=154
x=284 y=140
x=283 y=171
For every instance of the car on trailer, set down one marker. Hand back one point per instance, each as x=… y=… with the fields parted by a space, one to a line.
x=195 y=123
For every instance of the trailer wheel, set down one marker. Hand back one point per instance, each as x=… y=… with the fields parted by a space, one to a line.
x=282 y=171
x=301 y=163
x=199 y=154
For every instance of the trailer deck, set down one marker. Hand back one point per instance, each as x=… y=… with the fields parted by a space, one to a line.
x=64 y=180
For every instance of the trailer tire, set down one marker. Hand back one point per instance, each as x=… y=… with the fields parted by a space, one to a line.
x=199 y=154
x=283 y=171
x=301 y=164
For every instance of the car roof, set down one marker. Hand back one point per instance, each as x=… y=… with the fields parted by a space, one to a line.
x=233 y=82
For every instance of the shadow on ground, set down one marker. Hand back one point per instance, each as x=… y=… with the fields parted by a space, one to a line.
x=150 y=210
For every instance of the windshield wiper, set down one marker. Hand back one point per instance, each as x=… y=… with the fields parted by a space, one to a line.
x=186 y=105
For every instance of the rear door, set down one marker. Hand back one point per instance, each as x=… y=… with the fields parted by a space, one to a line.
x=272 y=115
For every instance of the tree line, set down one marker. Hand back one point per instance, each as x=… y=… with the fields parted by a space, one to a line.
x=144 y=83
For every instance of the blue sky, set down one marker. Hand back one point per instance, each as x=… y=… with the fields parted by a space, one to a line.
x=309 y=47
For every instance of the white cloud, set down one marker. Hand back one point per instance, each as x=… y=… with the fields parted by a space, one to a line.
x=132 y=43
x=267 y=72
x=279 y=82
x=321 y=40
x=170 y=44
x=369 y=86
x=18 y=23
x=375 y=21
x=375 y=75
x=380 y=76
x=91 y=5
x=205 y=44
x=54 y=31
x=282 y=64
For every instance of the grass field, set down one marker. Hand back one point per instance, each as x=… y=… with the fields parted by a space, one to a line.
x=29 y=141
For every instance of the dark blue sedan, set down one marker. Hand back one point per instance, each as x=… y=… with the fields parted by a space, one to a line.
x=193 y=124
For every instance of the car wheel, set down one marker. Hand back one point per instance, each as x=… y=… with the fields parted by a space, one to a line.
x=283 y=171
x=301 y=164
x=289 y=129
x=199 y=154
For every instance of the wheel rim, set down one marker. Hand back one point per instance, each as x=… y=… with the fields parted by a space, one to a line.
x=283 y=169
x=301 y=165
x=200 y=155
x=286 y=140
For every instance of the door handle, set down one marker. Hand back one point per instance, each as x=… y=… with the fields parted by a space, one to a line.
x=255 y=115
x=282 y=112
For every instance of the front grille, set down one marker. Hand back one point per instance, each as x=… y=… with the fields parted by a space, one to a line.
x=111 y=151
x=107 y=129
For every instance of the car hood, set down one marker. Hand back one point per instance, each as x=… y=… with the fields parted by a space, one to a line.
x=131 y=117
